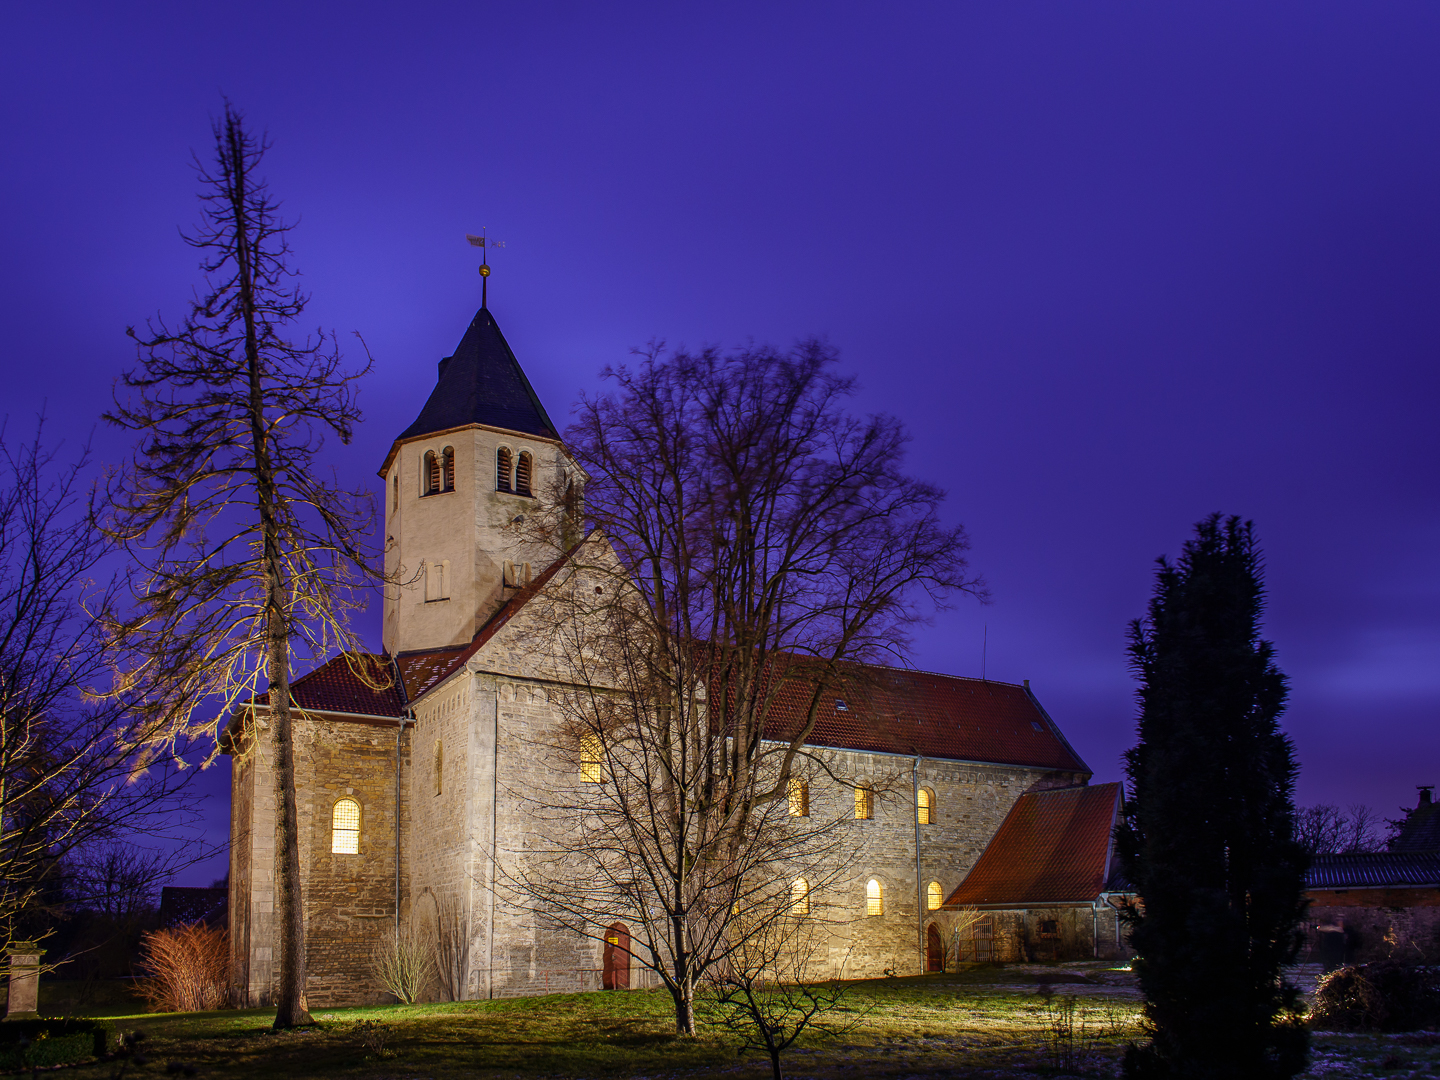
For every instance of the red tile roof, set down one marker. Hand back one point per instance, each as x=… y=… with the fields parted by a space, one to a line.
x=884 y=709
x=897 y=711
x=343 y=685
x=1053 y=848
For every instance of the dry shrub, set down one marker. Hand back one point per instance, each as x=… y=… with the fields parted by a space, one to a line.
x=404 y=963
x=1382 y=996
x=188 y=968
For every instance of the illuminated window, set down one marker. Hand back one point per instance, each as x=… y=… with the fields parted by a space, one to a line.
x=430 y=480
x=439 y=767
x=800 y=897
x=345 y=828
x=447 y=475
x=874 y=898
x=592 y=766
x=864 y=803
x=933 y=898
x=503 y=469
x=925 y=807
x=523 y=469
x=799 y=798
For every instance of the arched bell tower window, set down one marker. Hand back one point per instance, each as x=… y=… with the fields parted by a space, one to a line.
x=430 y=478
x=447 y=469
x=523 y=468
x=345 y=828
x=504 y=467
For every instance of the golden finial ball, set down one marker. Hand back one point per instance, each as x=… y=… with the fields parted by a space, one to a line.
x=484 y=269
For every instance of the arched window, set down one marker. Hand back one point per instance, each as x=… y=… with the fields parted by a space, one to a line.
x=925 y=806
x=800 y=897
x=592 y=765
x=503 y=469
x=864 y=802
x=430 y=478
x=933 y=897
x=799 y=798
x=447 y=473
x=522 y=474
x=874 y=898
x=439 y=767
x=345 y=828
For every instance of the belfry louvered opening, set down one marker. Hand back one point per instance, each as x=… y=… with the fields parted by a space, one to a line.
x=504 y=469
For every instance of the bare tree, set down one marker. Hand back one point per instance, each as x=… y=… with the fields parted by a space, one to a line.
x=404 y=962
x=1325 y=829
x=753 y=542
x=71 y=780
x=767 y=993
x=248 y=555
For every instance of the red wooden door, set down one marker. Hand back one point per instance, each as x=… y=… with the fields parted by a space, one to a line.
x=616 y=973
x=934 y=950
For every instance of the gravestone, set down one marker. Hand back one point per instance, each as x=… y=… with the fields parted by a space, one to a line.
x=24 y=981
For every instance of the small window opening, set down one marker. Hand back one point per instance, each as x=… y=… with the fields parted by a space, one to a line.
x=437 y=580
x=397 y=492
x=925 y=807
x=447 y=478
x=874 y=898
x=800 y=897
x=345 y=828
x=864 y=803
x=439 y=767
x=503 y=469
x=1049 y=928
x=840 y=705
x=799 y=798
x=432 y=473
x=933 y=896
x=592 y=767
x=1036 y=725
x=523 y=470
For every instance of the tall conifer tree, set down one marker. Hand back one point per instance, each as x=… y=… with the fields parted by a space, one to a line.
x=1208 y=835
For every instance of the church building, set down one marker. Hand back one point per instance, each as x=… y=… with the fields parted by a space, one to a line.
x=411 y=798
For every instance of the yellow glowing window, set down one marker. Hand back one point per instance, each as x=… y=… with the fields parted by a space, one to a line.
x=864 y=804
x=800 y=897
x=924 y=807
x=933 y=899
x=874 y=898
x=592 y=767
x=799 y=798
x=345 y=828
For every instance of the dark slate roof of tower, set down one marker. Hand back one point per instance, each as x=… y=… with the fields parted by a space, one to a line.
x=482 y=383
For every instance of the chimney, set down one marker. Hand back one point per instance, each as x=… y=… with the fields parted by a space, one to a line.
x=1425 y=790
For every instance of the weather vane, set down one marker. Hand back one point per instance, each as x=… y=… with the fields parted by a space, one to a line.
x=483 y=242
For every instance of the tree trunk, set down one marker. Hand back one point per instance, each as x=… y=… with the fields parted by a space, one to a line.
x=290 y=1005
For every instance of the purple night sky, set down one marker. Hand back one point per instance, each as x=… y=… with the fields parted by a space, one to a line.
x=1115 y=265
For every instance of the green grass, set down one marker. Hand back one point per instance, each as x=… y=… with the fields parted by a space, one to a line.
x=984 y=1020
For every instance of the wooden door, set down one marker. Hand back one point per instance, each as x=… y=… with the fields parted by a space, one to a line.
x=616 y=973
x=934 y=950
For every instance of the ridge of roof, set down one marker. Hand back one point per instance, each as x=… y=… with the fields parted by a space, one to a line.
x=480 y=383
x=1374 y=870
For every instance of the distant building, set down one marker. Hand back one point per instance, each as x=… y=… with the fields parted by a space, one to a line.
x=1379 y=905
x=1047 y=886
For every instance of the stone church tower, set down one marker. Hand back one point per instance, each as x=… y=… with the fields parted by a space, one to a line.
x=410 y=797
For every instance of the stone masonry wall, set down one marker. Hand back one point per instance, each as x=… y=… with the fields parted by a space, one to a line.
x=1359 y=925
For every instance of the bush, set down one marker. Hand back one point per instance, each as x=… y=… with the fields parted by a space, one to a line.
x=189 y=968
x=1382 y=996
x=27 y=1043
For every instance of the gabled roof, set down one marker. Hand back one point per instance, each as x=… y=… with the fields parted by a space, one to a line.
x=481 y=383
x=1374 y=870
x=336 y=686
x=1053 y=848
x=1421 y=830
x=898 y=711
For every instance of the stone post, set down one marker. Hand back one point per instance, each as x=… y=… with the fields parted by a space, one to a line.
x=24 y=980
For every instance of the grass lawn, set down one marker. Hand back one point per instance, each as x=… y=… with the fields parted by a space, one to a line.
x=985 y=1021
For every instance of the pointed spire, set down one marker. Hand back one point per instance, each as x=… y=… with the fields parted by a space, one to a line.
x=482 y=383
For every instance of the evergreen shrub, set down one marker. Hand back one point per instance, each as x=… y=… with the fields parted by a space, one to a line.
x=51 y=1041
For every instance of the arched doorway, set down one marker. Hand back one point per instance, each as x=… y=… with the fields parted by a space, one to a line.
x=934 y=950
x=616 y=973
